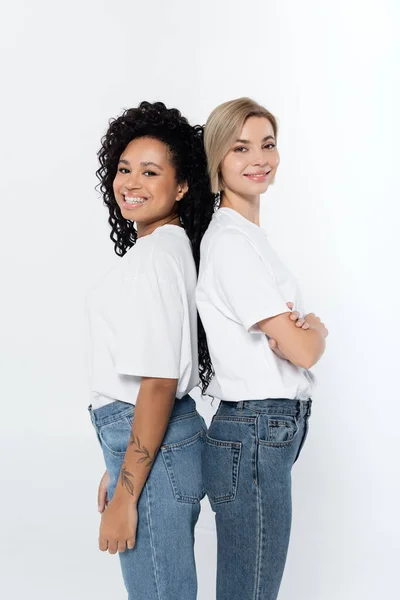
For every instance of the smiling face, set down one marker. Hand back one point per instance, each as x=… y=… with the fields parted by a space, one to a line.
x=251 y=163
x=145 y=186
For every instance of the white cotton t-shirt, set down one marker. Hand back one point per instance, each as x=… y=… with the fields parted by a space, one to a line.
x=142 y=319
x=241 y=282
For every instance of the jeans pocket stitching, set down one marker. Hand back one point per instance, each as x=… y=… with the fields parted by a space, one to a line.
x=188 y=442
x=305 y=434
x=166 y=452
x=213 y=442
x=183 y=417
x=236 y=448
x=116 y=453
x=283 y=443
x=122 y=414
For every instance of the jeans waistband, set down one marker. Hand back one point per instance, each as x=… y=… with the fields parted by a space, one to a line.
x=118 y=409
x=273 y=406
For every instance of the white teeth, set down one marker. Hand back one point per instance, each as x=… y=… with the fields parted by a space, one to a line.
x=134 y=200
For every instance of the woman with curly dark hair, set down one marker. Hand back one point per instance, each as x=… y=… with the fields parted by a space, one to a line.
x=144 y=356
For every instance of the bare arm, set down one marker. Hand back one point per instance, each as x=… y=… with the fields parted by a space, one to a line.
x=152 y=412
x=302 y=347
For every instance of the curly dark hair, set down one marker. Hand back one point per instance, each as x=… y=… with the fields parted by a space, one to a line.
x=186 y=149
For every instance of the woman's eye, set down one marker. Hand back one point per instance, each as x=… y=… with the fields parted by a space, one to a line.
x=240 y=149
x=149 y=173
x=270 y=146
x=123 y=170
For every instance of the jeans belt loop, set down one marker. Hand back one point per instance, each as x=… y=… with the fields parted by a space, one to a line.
x=299 y=410
x=240 y=405
x=302 y=408
x=309 y=407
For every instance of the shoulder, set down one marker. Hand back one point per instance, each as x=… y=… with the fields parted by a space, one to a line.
x=162 y=255
x=231 y=241
x=172 y=248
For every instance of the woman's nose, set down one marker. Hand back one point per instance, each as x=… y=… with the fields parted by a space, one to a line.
x=259 y=159
x=133 y=182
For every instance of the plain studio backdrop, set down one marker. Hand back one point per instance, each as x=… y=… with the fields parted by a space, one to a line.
x=330 y=73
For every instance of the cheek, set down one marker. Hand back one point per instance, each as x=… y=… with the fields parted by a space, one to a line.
x=240 y=163
x=163 y=191
x=116 y=185
x=233 y=167
x=275 y=159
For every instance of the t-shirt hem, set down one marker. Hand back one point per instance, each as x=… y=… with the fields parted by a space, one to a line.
x=138 y=372
x=250 y=324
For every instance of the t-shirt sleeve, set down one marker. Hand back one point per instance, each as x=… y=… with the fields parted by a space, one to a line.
x=150 y=324
x=245 y=283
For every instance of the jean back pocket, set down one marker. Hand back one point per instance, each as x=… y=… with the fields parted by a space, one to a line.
x=183 y=463
x=221 y=469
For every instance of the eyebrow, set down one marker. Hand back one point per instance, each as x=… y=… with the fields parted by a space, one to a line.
x=142 y=164
x=267 y=137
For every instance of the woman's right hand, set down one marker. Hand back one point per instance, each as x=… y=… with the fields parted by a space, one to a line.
x=102 y=496
x=316 y=323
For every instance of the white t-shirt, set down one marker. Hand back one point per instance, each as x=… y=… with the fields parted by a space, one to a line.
x=241 y=282
x=143 y=320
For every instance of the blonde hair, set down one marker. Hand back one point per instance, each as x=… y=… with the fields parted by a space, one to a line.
x=222 y=128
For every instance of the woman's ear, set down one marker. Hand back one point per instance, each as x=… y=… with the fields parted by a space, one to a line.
x=183 y=188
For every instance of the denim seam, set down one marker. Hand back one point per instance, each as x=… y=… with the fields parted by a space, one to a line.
x=112 y=418
x=277 y=444
x=259 y=549
x=276 y=411
x=97 y=435
x=129 y=412
x=188 y=442
x=183 y=416
x=305 y=433
x=110 y=450
x=222 y=443
x=279 y=423
x=153 y=549
x=171 y=475
x=254 y=458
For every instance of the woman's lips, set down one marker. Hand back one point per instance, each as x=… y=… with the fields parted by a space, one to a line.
x=134 y=204
x=259 y=177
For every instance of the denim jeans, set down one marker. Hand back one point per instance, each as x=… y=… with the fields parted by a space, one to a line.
x=161 y=566
x=249 y=452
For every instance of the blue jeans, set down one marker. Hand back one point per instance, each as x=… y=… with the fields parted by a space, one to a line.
x=250 y=449
x=161 y=566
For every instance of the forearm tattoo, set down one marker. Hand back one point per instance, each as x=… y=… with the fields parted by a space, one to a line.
x=126 y=480
x=146 y=457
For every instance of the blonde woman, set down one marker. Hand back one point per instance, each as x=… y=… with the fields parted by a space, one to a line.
x=262 y=345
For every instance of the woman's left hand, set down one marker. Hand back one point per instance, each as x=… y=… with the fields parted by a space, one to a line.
x=299 y=322
x=118 y=526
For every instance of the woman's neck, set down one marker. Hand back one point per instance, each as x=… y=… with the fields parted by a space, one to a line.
x=248 y=207
x=148 y=228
